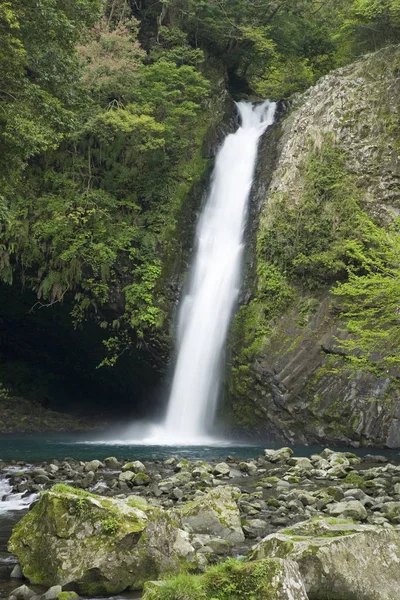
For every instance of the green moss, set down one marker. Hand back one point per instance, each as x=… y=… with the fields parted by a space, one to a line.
x=271 y=479
x=273 y=502
x=355 y=480
x=251 y=329
x=111 y=525
x=68 y=489
x=141 y=479
x=97 y=588
x=128 y=466
x=137 y=502
x=292 y=479
x=181 y=587
x=231 y=580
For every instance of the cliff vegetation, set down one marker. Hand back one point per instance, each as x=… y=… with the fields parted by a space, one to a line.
x=109 y=113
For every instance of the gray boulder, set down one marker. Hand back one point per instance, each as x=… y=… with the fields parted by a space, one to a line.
x=136 y=466
x=16 y=573
x=222 y=469
x=126 y=476
x=215 y=513
x=247 y=467
x=353 y=509
x=339 y=559
x=52 y=593
x=391 y=510
x=94 y=465
x=112 y=463
x=281 y=455
x=23 y=593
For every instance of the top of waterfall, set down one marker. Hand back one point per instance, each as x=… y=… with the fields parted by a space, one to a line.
x=258 y=116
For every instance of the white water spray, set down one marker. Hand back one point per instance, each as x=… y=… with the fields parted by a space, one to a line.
x=207 y=308
x=13 y=501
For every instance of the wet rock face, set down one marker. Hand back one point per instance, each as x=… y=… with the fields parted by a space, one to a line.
x=288 y=392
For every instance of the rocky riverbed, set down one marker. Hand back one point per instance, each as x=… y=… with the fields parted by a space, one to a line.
x=115 y=524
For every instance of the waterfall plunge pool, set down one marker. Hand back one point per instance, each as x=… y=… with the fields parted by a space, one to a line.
x=46 y=447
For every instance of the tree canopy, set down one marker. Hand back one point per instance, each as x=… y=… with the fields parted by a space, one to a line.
x=104 y=105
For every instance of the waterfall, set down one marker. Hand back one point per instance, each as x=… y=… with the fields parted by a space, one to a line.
x=206 y=309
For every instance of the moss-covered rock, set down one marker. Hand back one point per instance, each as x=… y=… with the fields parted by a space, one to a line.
x=216 y=513
x=101 y=545
x=339 y=559
x=270 y=579
x=67 y=596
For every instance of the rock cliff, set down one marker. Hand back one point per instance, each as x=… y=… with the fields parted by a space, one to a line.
x=345 y=130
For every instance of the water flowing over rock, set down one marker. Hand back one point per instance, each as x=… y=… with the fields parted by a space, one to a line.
x=207 y=307
x=12 y=500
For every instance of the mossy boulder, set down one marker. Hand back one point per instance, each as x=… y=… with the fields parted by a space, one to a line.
x=339 y=559
x=352 y=509
x=391 y=510
x=216 y=513
x=136 y=466
x=281 y=455
x=270 y=579
x=67 y=596
x=97 y=545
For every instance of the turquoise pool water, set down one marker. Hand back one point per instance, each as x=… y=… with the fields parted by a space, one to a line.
x=44 y=447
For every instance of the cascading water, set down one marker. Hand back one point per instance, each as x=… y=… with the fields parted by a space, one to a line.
x=13 y=501
x=207 y=308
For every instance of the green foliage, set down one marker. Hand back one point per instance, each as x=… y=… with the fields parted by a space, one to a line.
x=111 y=525
x=236 y=580
x=263 y=42
x=230 y=580
x=38 y=66
x=103 y=149
x=181 y=587
x=274 y=48
x=354 y=480
x=311 y=241
x=369 y=302
x=4 y=392
x=103 y=111
x=370 y=24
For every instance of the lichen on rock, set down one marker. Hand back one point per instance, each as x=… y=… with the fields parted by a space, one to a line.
x=339 y=559
x=215 y=513
x=99 y=545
